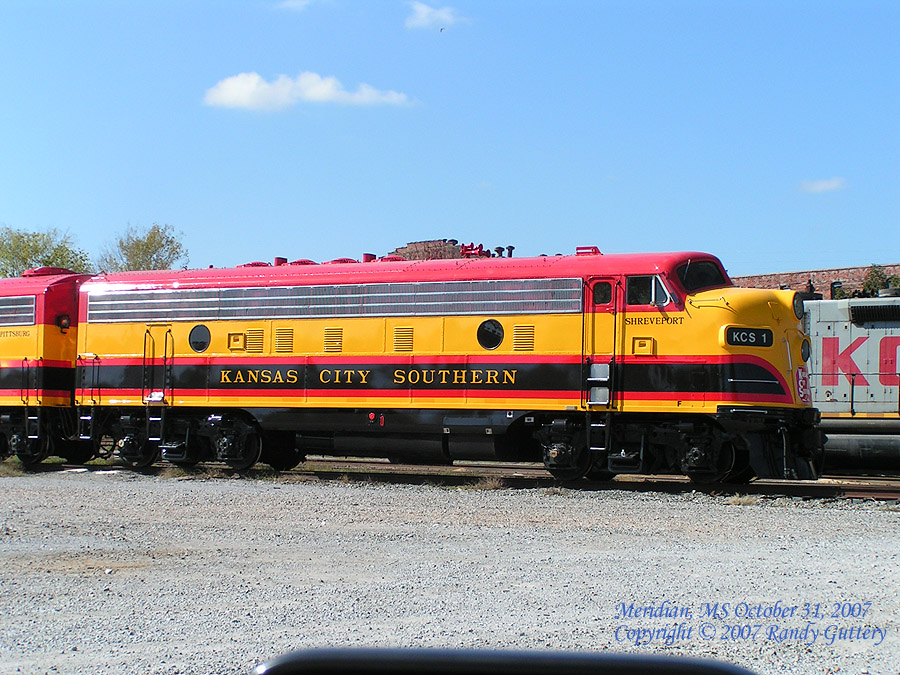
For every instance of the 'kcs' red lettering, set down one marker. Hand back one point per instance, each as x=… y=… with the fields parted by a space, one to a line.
x=887 y=361
x=834 y=362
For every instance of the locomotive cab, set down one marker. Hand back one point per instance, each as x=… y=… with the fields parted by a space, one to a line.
x=688 y=374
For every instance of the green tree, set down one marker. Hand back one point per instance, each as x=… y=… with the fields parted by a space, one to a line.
x=875 y=280
x=21 y=250
x=158 y=247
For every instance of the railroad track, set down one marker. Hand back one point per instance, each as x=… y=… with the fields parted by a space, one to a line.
x=525 y=475
x=532 y=475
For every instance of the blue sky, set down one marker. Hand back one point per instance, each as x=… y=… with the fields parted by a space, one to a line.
x=767 y=133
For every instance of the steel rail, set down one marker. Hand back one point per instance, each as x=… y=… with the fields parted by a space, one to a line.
x=526 y=475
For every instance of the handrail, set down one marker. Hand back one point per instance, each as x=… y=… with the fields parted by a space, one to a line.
x=144 y=366
x=23 y=390
x=168 y=364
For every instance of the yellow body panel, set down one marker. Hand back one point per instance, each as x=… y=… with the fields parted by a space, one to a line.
x=434 y=336
x=35 y=346
x=651 y=335
x=35 y=342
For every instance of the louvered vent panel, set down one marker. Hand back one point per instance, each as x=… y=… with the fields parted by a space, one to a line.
x=284 y=340
x=403 y=338
x=523 y=338
x=334 y=339
x=870 y=312
x=255 y=340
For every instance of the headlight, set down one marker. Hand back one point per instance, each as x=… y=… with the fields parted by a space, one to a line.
x=798 y=306
x=805 y=350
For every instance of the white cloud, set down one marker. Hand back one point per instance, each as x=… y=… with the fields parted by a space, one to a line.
x=293 y=5
x=249 y=90
x=424 y=16
x=825 y=185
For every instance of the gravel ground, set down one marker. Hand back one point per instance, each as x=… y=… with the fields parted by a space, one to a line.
x=111 y=572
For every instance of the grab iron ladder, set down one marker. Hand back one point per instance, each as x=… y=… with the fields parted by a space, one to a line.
x=91 y=373
x=599 y=393
x=29 y=383
x=155 y=400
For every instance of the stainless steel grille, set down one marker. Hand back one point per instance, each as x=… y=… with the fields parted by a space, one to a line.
x=17 y=311
x=513 y=296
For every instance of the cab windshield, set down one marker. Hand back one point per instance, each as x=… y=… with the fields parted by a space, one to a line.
x=699 y=275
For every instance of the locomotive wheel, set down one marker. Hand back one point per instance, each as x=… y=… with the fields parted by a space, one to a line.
x=32 y=451
x=285 y=460
x=76 y=452
x=136 y=453
x=741 y=477
x=104 y=447
x=279 y=451
x=251 y=449
x=581 y=467
x=598 y=471
x=741 y=472
x=725 y=465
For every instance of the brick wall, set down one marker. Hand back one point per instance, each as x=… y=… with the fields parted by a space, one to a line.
x=851 y=278
x=429 y=250
x=439 y=249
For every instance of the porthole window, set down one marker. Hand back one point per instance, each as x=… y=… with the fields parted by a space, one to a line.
x=490 y=334
x=199 y=338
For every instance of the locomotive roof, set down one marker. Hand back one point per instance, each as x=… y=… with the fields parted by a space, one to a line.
x=386 y=271
x=36 y=282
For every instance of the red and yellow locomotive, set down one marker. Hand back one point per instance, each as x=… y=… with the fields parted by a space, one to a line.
x=595 y=364
x=38 y=321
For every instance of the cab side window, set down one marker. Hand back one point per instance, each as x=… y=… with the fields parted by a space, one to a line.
x=646 y=290
x=639 y=290
x=602 y=293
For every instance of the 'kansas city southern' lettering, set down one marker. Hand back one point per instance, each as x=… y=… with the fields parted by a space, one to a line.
x=355 y=377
